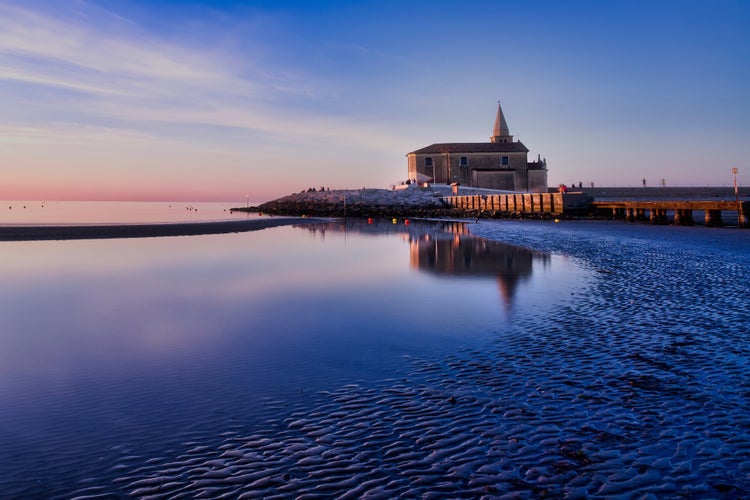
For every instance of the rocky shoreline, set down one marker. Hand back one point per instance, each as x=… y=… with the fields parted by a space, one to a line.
x=402 y=203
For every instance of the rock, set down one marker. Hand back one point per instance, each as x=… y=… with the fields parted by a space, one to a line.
x=360 y=203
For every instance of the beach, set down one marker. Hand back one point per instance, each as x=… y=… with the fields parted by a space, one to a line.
x=150 y=230
x=633 y=384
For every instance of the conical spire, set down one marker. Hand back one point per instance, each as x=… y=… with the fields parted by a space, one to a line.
x=501 y=132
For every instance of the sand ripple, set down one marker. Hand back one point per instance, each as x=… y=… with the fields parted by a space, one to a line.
x=637 y=384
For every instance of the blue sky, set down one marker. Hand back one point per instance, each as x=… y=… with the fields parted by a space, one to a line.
x=219 y=100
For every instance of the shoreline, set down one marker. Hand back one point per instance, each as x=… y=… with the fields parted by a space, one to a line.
x=113 y=231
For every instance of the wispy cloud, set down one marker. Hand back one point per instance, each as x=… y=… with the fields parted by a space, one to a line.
x=69 y=135
x=122 y=60
x=104 y=67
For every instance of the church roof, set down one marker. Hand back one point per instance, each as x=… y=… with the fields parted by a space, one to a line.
x=473 y=147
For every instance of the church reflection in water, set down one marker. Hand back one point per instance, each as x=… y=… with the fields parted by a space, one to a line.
x=455 y=252
x=447 y=248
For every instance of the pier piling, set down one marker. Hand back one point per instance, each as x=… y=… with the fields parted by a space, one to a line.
x=713 y=218
x=683 y=211
x=580 y=203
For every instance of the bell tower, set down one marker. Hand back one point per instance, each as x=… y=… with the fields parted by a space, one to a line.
x=501 y=132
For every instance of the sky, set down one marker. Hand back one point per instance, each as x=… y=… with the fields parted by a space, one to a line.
x=228 y=100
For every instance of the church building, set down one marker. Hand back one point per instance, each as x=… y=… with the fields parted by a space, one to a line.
x=501 y=163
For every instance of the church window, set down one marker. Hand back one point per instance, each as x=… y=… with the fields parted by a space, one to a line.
x=504 y=160
x=463 y=161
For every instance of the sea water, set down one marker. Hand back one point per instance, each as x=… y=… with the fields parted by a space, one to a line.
x=14 y=212
x=378 y=358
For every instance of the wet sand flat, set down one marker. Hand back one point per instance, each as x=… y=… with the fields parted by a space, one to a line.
x=636 y=385
x=106 y=231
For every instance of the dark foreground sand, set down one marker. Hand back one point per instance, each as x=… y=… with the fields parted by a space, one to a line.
x=634 y=387
x=104 y=231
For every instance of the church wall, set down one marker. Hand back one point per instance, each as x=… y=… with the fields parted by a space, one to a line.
x=521 y=179
x=476 y=173
x=493 y=160
x=412 y=163
x=538 y=181
x=494 y=179
x=439 y=166
x=483 y=170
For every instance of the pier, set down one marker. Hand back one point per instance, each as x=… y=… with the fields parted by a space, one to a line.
x=655 y=205
x=682 y=211
x=654 y=211
x=521 y=203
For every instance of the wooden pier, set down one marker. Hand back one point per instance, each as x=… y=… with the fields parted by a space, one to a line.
x=654 y=211
x=522 y=203
x=682 y=211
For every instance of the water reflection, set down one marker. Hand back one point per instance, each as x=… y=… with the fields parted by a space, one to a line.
x=123 y=351
x=447 y=248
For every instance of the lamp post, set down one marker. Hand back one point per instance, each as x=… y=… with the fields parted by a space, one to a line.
x=736 y=193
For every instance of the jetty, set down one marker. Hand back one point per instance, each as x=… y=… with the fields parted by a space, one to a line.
x=655 y=205
x=682 y=211
x=679 y=212
x=522 y=203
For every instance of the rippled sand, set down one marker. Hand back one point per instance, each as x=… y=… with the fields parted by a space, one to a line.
x=637 y=385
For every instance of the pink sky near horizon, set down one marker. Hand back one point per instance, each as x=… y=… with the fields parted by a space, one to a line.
x=103 y=192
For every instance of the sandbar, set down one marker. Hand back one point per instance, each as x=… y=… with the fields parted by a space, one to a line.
x=108 y=231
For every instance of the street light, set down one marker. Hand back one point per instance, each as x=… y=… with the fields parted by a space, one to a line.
x=736 y=193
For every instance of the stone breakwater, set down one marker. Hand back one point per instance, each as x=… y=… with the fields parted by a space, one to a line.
x=410 y=202
x=360 y=203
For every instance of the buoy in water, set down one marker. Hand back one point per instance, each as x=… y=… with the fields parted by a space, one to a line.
x=369 y=220
x=395 y=221
x=406 y=222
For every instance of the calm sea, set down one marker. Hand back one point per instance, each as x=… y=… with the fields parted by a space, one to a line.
x=112 y=212
x=116 y=352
